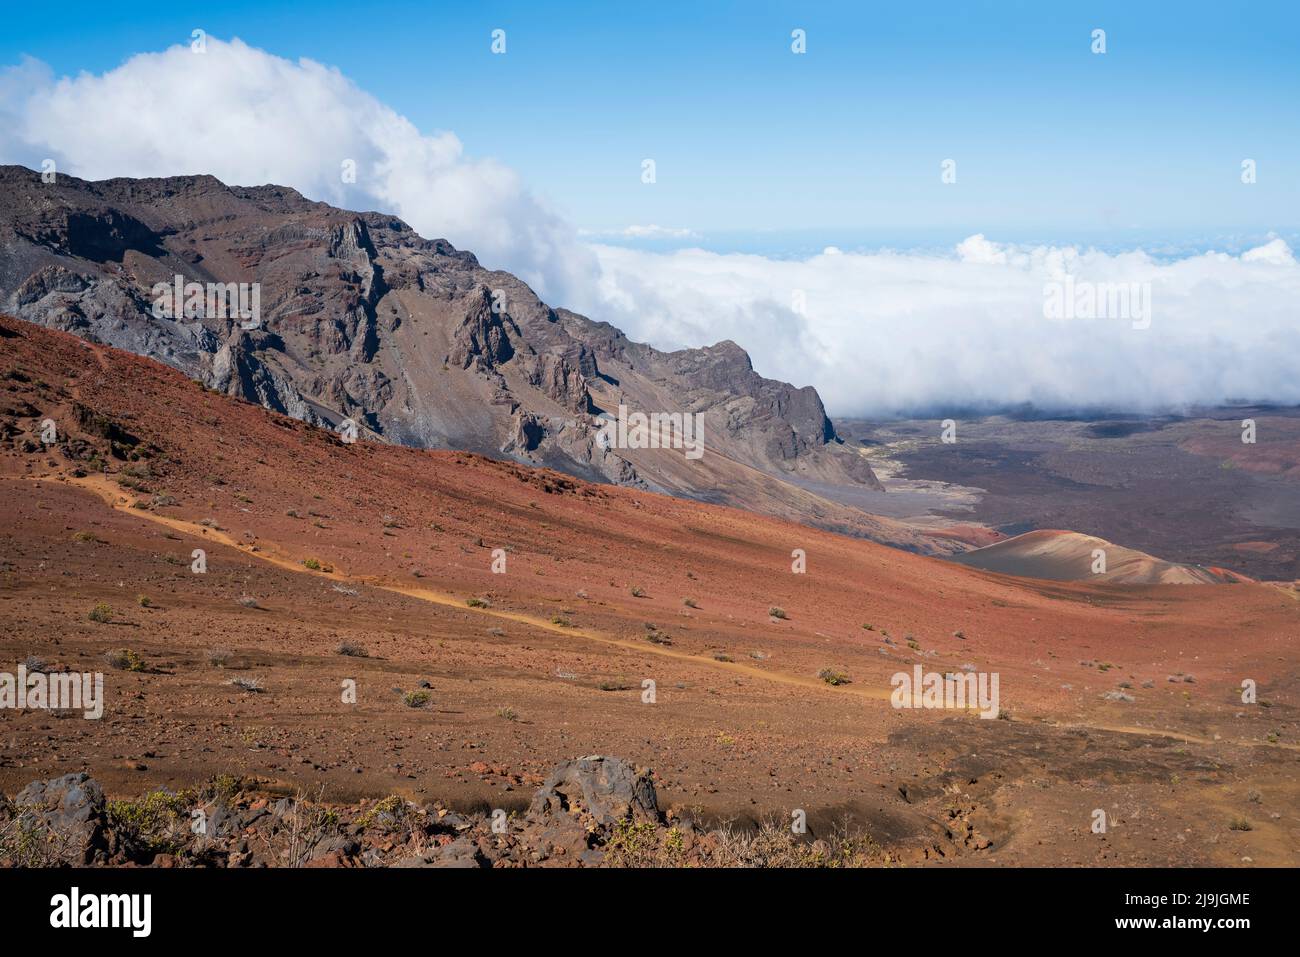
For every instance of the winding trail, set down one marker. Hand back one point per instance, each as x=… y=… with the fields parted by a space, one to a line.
x=112 y=495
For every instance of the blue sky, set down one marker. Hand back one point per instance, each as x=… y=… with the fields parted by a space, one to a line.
x=1052 y=142
x=1123 y=166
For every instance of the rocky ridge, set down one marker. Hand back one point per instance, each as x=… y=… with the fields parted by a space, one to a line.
x=414 y=340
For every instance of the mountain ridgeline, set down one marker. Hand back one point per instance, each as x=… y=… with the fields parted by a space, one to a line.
x=413 y=340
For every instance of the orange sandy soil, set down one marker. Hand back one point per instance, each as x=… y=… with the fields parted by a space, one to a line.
x=742 y=728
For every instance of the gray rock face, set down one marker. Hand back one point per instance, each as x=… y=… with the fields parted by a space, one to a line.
x=362 y=318
x=66 y=815
x=460 y=853
x=607 y=789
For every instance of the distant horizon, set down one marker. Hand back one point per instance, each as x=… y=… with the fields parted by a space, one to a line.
x=1162 y=243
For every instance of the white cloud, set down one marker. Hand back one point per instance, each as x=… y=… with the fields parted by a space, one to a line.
x=250 y=118
x=883 y=332
x=650 y=232
x=875 y=333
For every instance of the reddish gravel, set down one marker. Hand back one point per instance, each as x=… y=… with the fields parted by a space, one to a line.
x=604 y=588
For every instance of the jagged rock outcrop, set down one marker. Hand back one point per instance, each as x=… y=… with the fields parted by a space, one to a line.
x=65 y=816
x=607 y=789
x=361 y=318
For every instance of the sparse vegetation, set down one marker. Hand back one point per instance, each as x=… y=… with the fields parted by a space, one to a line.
x=416 y=699
x=157 y=822
x=219 y=657
x=312 y=563
x=689 y=603
x=125 y=660
x=478 y=603
x=350 y=649
x=561 y=621
x=251 y=685
x=390 y=808
x=638 y=591
x=101 y=613
x=144 y=601
x=774 y=845
x=637 y=844
x=776 y=612
x=510 y=714
x=833 y=677
x=248 y=601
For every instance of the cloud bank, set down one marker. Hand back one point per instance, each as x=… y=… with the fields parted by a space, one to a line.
x=887 y=332
x=878 y=333
x=250 y=118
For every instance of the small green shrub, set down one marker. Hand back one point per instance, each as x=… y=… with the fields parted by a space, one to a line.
x=125 y=660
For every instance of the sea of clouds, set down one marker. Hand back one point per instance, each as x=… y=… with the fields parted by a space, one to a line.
x=877 y=333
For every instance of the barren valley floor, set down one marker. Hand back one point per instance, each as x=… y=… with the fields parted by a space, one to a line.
x=1125 y=699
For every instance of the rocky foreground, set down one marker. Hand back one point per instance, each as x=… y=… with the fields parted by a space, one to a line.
x=591 y=812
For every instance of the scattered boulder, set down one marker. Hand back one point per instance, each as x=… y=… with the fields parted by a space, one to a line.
x=608 y=789
x=462 y=852
x=68 y=814
x=586 y=810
